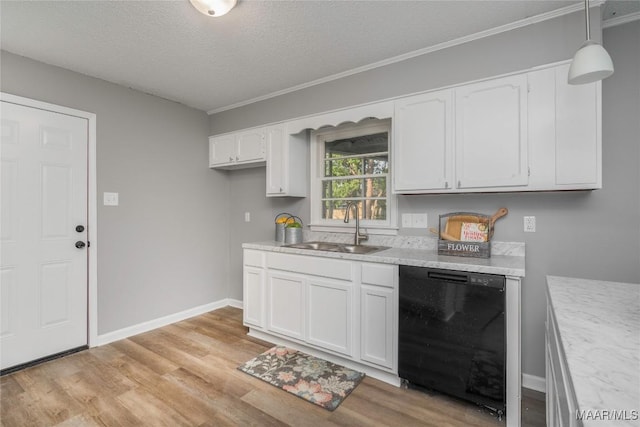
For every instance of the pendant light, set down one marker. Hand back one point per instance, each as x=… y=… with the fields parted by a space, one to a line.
x=214 y=8
x=591 y=62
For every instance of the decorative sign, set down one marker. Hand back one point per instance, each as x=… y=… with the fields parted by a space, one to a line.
x=474 y=232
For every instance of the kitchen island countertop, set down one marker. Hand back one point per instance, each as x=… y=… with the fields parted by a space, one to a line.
x=506 y=265
x=598 y=324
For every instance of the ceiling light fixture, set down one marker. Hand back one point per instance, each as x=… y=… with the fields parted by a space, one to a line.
x=591 y=62
x=214 y=8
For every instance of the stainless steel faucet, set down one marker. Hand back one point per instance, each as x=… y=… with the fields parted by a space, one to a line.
x=358 y=237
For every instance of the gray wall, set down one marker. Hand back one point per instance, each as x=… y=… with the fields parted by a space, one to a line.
x=164 y=249
x=581 y=234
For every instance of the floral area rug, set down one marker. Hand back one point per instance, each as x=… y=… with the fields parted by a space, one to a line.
x=318 y=381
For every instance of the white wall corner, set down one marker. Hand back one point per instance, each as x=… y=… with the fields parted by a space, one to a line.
x=534 y=383
x=140 y=328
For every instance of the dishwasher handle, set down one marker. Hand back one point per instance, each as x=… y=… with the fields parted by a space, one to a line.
x=448 y=277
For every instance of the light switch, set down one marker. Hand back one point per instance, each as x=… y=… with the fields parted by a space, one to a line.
x=419 y=220
x=110 y=199
x=407 y=220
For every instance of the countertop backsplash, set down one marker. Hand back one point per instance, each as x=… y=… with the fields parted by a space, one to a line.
x=408 y=242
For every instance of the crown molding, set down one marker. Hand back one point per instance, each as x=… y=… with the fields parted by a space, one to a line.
x=461 y=40
x=621 y=20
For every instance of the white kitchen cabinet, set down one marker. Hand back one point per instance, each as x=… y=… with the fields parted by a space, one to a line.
x=238 y=150
x=345 y=309
x=491 y=134
x=481 y=144
x=222 y=150
x=287 y=162
x=250 y=145
x=561 y=403
x=577 y=124
x=285 y=304
x=330 y=314
x=254 y=288
x=254 y=295
x=565 y=132
x=423 y=155
x=530 y=131
x=378 y=311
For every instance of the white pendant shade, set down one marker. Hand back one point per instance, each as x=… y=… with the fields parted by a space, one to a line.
x=590 y=63
x=214 y=8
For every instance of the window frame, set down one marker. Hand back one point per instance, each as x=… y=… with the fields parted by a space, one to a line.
x=317 y=159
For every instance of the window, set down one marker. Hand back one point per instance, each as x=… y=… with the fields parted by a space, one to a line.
x=351 y=164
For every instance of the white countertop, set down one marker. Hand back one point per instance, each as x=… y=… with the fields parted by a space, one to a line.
x=599 y=331
x=506 y=265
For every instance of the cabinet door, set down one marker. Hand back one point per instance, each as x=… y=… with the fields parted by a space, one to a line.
x=277 y=160
x=422 y=145
x=491 y=134
x=578 y=133
x=377 y=325
x=221 y=150
x=250 y=145
x=254 y=296
x=285 y=304
x=329 y=314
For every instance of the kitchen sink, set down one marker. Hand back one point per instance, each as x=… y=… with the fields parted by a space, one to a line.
x=337 y=247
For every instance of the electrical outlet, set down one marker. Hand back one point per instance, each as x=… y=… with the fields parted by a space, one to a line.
x=530 y=224
x=247 y=217
x=420 y=220
x=407 y=220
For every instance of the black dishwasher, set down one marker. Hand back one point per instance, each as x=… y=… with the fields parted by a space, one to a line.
x=452 y=334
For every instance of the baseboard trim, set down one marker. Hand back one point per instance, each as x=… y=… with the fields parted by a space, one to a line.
x=235 y=303
x=140 y=328
x=534 y=383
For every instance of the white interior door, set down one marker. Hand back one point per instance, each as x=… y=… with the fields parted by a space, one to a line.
x=43 y=283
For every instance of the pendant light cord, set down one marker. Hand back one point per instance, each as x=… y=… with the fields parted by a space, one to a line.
x=587 y=22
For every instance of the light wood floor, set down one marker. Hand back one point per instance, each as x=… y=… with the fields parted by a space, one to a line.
x=185 y=375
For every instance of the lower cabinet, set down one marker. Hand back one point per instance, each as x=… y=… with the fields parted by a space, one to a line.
x=345 y=308
x=285 y=304
x=253 y=287
x=254 y=290
x=329 y=312
x=377 y=306
x=561 y=403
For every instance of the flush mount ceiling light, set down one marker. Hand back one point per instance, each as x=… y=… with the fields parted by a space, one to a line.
x=214 y=8
x=591 y=62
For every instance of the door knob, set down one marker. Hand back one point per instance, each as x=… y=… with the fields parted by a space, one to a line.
x=80 y=244
x=79 y=228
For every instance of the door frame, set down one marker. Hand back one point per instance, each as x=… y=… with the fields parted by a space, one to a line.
x=92 y=204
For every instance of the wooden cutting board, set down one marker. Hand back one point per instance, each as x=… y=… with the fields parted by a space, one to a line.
x=453 y=227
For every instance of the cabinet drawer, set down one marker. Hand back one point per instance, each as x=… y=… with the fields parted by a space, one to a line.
x=380 y=275
x=325 y=267
x=253 y=258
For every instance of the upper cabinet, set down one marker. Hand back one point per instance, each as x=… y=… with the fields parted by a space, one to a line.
x=526 y=132
x=423 y=149
x=287 y=162
x=491 y=134
x=238 y=150
x=565 y=132
x=286 y=157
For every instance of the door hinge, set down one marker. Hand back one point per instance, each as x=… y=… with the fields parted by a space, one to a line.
x=88 y=244
x=529 y=171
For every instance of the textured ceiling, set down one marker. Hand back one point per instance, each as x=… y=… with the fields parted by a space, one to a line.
x=168 y=49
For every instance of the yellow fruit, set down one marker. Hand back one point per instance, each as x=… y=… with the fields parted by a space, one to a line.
x=281 y=220
x=290 y=220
